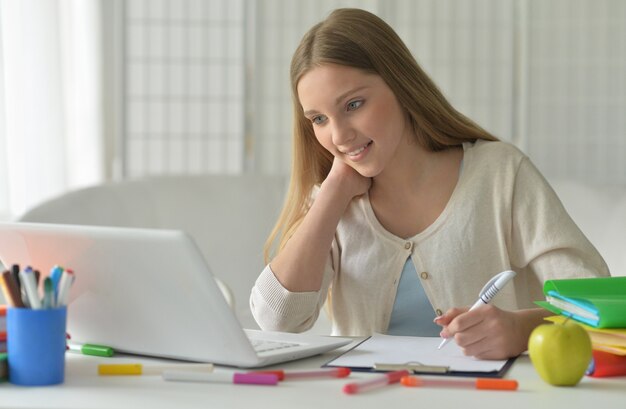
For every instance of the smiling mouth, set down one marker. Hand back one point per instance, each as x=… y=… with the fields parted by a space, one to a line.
x=359 y=150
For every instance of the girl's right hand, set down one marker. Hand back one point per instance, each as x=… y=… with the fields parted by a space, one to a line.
x=348 y=180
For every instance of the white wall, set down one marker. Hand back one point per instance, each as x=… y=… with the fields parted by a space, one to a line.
x=547 y=75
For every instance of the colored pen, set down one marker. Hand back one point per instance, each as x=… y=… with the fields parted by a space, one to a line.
x=236 y=378
x=48 y=293
x=66 y=281
x=37 y=277
x=139 y=369
x=4 y=367
x=15 y=270
x=55 y=275
x=379 y=381
x=91 y=349
x=28 y=282
x=489 y=291
x=320 y=373
x=478 y=383
x=11 y=291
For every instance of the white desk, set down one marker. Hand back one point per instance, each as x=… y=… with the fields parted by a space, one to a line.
x=83 y=388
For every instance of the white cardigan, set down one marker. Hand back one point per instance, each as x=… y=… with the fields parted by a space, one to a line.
x=502 y=215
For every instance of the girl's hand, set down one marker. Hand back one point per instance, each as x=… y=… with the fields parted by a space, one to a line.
x=486 y=332
x=347 y=180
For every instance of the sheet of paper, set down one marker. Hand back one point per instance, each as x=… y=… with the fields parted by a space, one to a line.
x=607 y=339
x=613 y=350
x=392 y=349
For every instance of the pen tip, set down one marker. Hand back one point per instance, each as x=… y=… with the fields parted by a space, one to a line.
x=443 y=343
x=343 y=372
x=350 y=388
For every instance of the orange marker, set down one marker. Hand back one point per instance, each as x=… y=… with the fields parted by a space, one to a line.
x=478 y=383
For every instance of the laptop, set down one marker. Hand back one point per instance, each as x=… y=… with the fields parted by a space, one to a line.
x=149 y=292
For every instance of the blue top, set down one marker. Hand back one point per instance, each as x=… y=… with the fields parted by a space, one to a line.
x=412 y=313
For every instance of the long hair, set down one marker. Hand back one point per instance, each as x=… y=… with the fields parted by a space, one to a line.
x=359 y=39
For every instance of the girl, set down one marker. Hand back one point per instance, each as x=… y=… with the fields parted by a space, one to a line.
x=400 y=208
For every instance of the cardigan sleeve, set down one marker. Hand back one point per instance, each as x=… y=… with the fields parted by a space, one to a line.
x=277 y=309
x=544 y=238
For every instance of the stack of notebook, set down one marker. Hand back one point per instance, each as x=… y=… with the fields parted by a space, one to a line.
x=3 y=328
x=4 y=370
x=599 y=305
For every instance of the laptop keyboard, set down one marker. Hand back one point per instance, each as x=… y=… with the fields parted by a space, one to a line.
x=262 y=345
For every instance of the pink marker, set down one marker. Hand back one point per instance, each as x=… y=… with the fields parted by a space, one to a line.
x=320 y=373
x=379 y=381
x=220 y=377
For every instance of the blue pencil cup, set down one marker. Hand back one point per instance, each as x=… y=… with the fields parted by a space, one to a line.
x=36 y=346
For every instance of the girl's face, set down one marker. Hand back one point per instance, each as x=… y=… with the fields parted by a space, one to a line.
x=355 y=116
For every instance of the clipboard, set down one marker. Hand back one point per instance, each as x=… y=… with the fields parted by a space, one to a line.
x=382 y=353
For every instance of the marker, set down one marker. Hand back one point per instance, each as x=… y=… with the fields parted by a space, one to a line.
x=321 y=373
x=37 y=276
x=489 y=291
x=379 y=381
x=15 y=270
x=48 y=293
x=55 y=275
x=91 y=349
x=139 y=369
x=28 y=282
x=4 y=367
x=10 y=289
x=63 y=293
x=236 y=378
x=478 y=383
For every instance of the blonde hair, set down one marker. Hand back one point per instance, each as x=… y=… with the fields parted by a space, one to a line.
x=359 y=39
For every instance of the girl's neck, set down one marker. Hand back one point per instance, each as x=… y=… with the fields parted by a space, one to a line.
x=411 y=167
x=411 y=193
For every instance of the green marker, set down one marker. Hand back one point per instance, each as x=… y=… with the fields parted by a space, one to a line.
x=48 y=293
x=91 y=349
x=4 y=368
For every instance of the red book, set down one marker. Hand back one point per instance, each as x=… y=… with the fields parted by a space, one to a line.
x=3 y=320
x=3 y=330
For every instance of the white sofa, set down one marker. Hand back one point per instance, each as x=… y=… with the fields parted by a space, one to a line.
x=230 y=217
x=600 y=212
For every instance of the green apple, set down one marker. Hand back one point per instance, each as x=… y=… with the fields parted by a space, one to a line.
x=560 y=353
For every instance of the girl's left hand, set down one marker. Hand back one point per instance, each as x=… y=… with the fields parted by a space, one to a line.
x=486 y=332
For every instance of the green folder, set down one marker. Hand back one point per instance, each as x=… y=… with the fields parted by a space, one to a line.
x=599 y=302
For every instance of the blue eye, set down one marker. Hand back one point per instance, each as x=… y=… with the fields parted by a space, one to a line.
x=318 y=120
x=352 y=105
